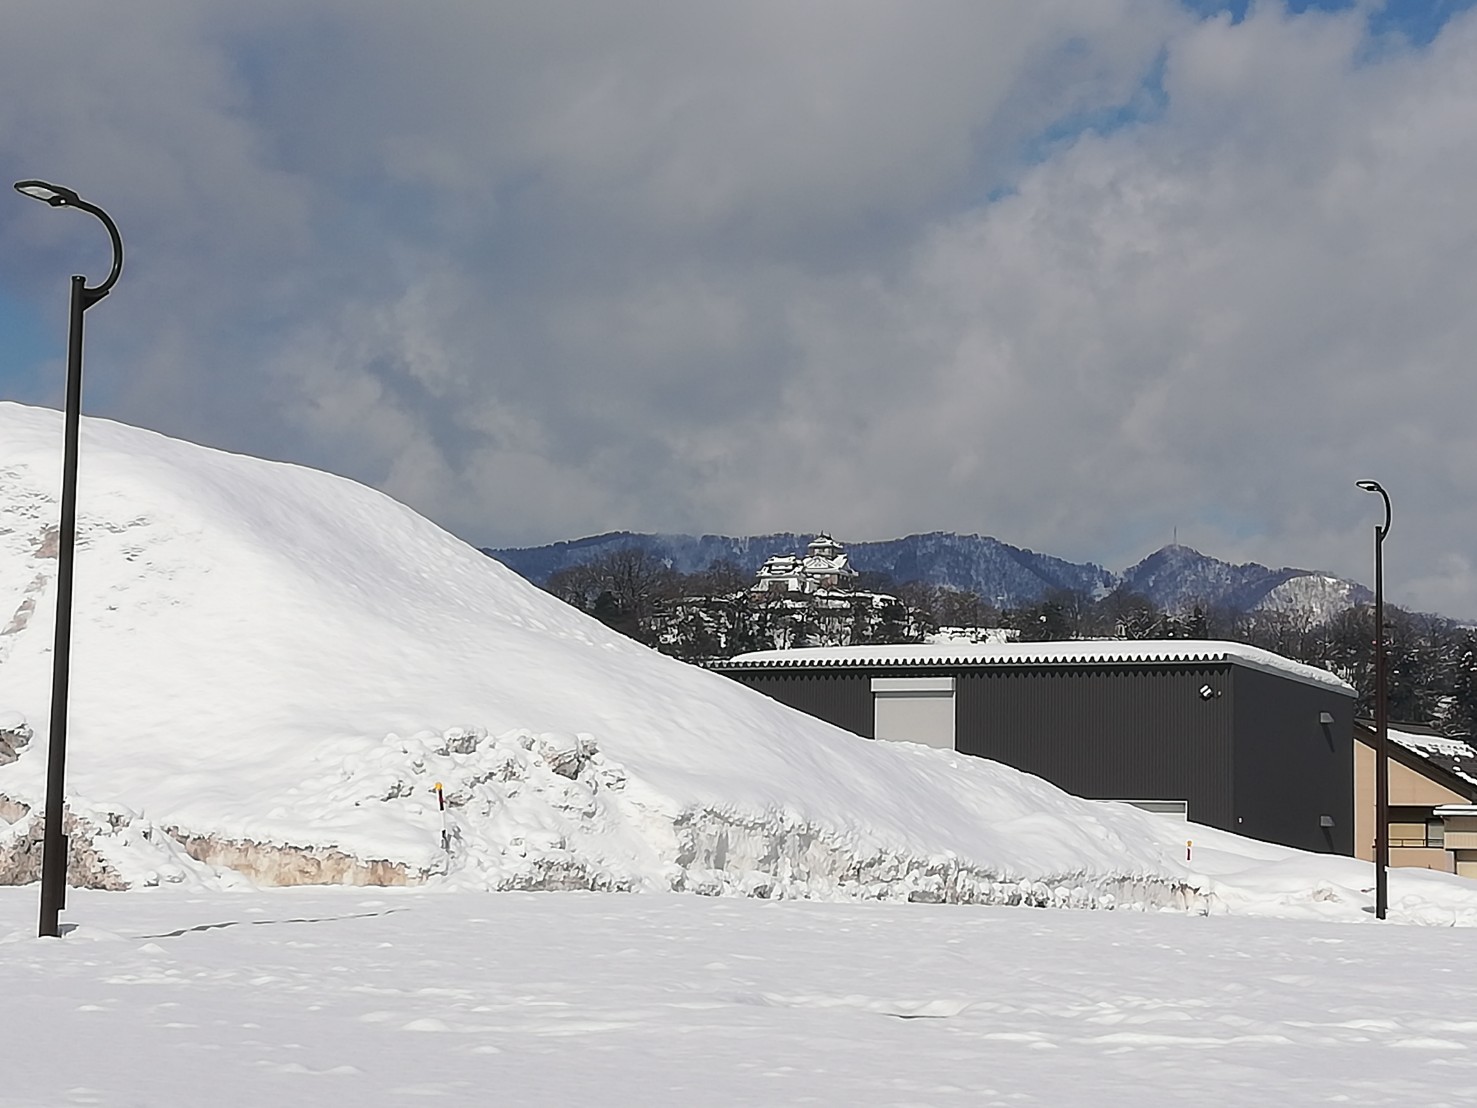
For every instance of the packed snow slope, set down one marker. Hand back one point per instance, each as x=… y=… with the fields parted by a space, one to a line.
x=273 y=667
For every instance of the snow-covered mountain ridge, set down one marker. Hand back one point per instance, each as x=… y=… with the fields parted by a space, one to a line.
x=1175 y=577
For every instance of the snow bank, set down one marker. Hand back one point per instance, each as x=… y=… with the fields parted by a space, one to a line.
x=273 y=668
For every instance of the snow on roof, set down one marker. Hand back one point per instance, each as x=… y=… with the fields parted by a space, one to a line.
x=1075 y=652
x=1456 y=756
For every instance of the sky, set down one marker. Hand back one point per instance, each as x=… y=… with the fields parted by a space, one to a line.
x=1079 y=274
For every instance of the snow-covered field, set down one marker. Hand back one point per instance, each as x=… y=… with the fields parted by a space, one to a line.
x=402 y=996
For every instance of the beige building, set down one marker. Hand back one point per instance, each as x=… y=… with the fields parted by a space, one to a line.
x=1433 y=798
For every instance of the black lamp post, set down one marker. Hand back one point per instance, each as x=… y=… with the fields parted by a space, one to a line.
x=1381 y=715
x=84 y=296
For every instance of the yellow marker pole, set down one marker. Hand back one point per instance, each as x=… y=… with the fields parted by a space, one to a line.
x=441 y=804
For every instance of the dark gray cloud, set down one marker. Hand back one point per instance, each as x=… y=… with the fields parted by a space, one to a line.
x=546 y=270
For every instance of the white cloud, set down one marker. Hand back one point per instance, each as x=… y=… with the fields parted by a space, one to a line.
x=1196 y=325
x=548 y=271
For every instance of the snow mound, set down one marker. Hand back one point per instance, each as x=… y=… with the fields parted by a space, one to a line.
x=274 y=668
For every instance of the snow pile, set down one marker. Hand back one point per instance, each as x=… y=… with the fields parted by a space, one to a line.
x=273 y=669
x=14 y=734
x=948 y=635
x=106 y=849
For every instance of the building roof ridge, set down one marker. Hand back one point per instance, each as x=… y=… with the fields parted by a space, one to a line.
x=1068 y=652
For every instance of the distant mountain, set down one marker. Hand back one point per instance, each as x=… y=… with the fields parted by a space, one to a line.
x=997 y=571
x=684 y=553
x=1175 y=578
x=1320 y=594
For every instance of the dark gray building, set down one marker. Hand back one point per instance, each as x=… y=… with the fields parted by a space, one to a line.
x=1244 y=739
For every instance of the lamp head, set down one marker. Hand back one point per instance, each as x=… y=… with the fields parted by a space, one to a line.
x=1375 y=486
x=55 y=195
x=59 y=197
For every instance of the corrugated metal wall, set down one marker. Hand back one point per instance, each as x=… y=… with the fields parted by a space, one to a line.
x=1290 y=768
x=1121 y=732
x=841 y=697
x=1252 y=752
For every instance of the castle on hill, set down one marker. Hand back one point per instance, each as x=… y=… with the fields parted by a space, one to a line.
x=822 y=568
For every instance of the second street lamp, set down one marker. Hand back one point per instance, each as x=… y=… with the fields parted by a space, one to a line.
x=1381 y=716
x=84 y=296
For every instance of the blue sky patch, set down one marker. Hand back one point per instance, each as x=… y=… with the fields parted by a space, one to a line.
x=1147 y=103
x=27 y=343
x=1420 y=21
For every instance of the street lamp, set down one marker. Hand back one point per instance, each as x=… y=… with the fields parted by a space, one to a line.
x=1381 y=715
x=84 y=296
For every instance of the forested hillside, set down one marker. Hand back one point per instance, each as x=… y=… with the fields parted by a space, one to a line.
x=1174 y=577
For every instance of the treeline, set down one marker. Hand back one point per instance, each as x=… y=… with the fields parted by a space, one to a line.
x=1432 y=661
x=713 y=614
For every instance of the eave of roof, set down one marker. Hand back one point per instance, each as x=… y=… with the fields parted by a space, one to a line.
x=1444 y=769
x=1111 y=652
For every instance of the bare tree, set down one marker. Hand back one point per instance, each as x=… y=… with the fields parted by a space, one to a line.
x=625 y=589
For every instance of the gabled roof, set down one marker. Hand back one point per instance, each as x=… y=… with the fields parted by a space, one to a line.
x=1078 y=652
x=1421 y=747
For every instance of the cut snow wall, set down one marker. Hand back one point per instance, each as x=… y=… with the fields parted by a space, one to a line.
x=277 y=864
x=22 y=836
x=549 y=812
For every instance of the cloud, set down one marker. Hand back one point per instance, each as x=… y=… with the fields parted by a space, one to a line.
x=1069 y=273
x=1237 y=309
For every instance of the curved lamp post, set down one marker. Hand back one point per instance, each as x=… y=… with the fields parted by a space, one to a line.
x=84 y=296
x=1381 y=717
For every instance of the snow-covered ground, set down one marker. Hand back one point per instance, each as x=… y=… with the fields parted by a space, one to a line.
x=400 y=996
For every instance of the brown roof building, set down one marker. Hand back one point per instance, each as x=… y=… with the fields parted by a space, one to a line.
x=1433 y=790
